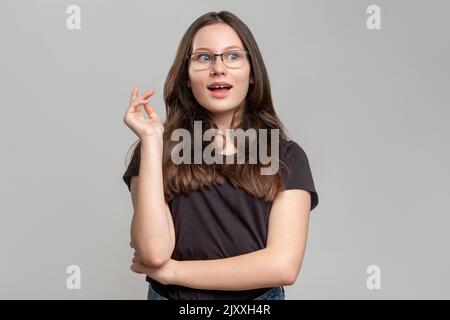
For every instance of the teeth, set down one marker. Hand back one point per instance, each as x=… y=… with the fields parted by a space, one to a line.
x=219 y=87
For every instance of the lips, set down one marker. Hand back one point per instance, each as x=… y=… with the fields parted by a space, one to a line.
x=219 y=93
x=219 y=89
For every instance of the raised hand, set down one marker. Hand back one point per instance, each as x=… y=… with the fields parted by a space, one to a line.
x=135 y=120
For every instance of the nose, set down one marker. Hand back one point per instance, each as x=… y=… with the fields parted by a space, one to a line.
x=218 y=65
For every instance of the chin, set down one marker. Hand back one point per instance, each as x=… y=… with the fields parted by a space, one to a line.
x=219 y=109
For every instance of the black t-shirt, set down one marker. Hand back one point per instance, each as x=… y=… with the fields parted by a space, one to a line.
x=225 y=221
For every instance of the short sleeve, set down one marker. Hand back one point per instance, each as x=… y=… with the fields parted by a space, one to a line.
x=297 y=174
x=133 y=167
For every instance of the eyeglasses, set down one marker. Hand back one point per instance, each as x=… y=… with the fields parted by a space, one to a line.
x=232 y=59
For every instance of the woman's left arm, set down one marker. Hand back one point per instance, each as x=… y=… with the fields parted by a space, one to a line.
x=276 y=265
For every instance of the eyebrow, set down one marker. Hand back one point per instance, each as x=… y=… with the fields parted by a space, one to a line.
x=223 y=49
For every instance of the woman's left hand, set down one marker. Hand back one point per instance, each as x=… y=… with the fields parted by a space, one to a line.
x=164 y=274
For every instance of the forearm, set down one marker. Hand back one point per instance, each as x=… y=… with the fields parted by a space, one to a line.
x=150 y=228
x=258 y=269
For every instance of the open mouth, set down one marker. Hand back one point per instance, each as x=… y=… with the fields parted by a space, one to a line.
x=220 y=87
x=219 y=91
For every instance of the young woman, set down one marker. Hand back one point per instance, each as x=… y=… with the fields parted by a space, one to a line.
x=222 y=230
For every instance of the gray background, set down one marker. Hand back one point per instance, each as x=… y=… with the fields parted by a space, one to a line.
x=370 y=108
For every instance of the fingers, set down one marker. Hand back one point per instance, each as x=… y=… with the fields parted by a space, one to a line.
x=136 y=105
x=147 y=94
x=136 y=101
x=136 y=259
x=150 y=111
x=134 y=92
x=136 y=268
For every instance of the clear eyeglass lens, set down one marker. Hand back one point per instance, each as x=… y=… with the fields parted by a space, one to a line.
x=234 y=59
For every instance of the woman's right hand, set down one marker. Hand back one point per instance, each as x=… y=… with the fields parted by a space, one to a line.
x=135 y=120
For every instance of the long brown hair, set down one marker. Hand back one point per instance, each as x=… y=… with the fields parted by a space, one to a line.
x=182 y=109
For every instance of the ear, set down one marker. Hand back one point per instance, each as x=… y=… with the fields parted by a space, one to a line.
x=251 y=80
x=188 y=84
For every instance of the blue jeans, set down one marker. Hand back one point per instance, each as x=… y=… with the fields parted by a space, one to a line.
x=273 y=294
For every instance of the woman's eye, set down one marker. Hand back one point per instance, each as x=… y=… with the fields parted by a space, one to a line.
x=233 y=56
x=204 y=57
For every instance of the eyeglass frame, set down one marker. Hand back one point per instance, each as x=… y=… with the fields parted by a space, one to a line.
x=188 y=56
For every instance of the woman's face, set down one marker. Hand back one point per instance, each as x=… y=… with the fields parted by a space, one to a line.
x=219 y=38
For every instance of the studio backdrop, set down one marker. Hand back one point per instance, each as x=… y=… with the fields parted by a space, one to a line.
x=362 y=86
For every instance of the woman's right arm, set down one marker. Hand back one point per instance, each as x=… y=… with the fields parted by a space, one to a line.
x=152 y=230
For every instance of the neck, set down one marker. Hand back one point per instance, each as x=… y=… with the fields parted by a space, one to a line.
x=223 y=122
